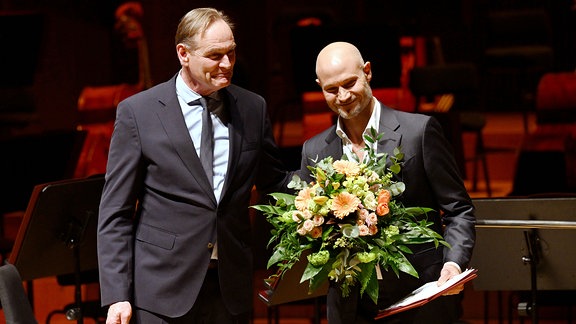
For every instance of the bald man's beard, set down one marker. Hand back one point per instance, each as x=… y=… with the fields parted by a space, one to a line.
x=349 y=114
x=358 y=108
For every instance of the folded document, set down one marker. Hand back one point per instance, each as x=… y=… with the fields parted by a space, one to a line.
x=426 y=293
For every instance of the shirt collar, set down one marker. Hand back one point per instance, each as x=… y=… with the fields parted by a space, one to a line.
x=187 y=94
x=374 y=122
x=183 y=91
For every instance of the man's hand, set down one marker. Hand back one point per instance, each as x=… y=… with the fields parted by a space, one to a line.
x=449 y=271
x=119 y=313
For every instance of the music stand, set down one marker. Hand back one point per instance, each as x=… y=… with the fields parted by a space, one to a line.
x=58 y=232
x=288 y=289
x=522 y=245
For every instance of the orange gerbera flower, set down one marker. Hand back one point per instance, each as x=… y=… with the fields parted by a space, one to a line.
x=349 y=168
x=344 y=204
x=303 y=199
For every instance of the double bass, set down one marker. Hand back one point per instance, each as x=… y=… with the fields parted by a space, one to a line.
x=97 y=104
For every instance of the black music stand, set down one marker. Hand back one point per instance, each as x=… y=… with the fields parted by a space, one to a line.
x=58 y=233
x=524 y=244
x=288 y=289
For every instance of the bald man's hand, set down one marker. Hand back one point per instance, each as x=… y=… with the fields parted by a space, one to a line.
x=119 y=313
x=449 y=271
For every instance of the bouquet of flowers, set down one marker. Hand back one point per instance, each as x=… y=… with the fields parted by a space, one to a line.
x=348 y=221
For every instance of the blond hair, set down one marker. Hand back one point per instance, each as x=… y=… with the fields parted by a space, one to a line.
x=195 y=22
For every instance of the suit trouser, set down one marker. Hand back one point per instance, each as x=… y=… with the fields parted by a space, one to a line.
x=208 y=309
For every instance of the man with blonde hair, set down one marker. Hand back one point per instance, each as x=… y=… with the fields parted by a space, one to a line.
x=174 y=231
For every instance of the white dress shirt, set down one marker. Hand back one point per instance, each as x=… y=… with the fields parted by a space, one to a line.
x=193 y=117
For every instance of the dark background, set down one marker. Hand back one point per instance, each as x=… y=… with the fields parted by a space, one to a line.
x=75 y=44
x=71 y=44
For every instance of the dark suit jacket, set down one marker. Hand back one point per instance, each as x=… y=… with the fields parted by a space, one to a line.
x=432 y=180
x=158 y=214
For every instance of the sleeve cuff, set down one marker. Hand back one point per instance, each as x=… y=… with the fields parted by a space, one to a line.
x=454 y=264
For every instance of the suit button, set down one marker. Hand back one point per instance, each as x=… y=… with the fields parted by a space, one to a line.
x=210 y=245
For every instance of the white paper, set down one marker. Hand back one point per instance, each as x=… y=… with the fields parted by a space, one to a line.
x=428 y=290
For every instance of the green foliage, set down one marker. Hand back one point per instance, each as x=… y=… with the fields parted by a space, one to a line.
x=348 y=221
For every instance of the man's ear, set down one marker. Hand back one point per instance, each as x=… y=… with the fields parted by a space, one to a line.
x=367 y=70
x=318 y=82
x=183 y=53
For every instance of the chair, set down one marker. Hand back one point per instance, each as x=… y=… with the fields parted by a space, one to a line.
x=6 y=239
x=553 y=141
x=556 y=99
x=17 y=308
x=457 y=87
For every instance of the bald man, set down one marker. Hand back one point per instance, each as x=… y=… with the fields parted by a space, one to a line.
x=429 y=171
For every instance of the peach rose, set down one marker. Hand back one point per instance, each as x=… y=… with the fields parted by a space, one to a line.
x=382 y=209
x=373 y=229
x=372 y=219
x=384 y=196
x=364 y=230
x=316 y=232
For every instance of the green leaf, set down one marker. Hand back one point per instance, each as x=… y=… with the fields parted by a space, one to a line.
x=369 y=139
x=266 y=209
x=397 y=188
x=446 y=244
x=366 y=272
x=398 y=155
x=309 y=272
x=372 y=287
x=417 y=211
x=277 y=257
x=320 y=278
x=395 y=168
x=297 y=184
x=380 y=242
x=326 y=233
x=405 y=266
x=404 y=249
x=287 y=198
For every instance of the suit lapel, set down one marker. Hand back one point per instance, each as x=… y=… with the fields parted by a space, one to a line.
x=235 y=133
x=333 y=145
x=388 y=126
x=175 y=127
